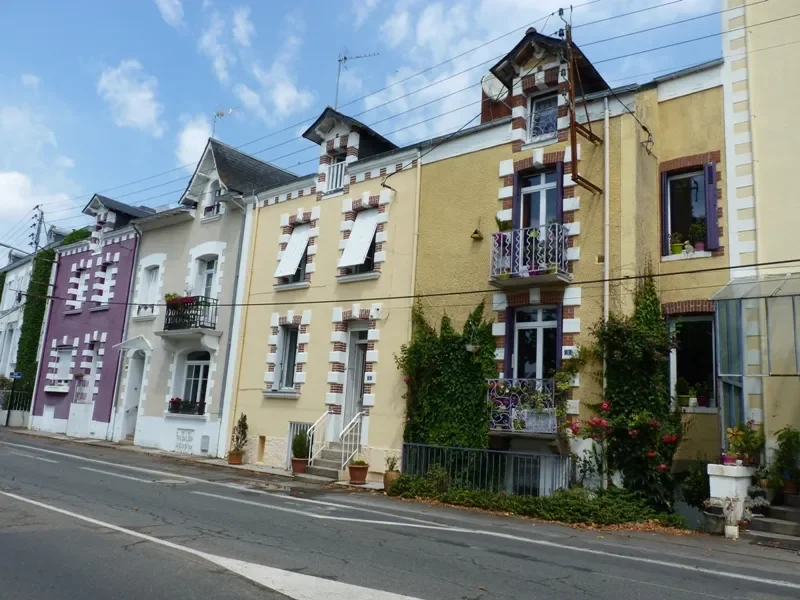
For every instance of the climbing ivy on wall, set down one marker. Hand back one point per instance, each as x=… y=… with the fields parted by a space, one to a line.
x=35 y=305
x=445 y=373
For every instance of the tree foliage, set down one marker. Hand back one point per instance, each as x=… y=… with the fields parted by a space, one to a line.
x=445 y=373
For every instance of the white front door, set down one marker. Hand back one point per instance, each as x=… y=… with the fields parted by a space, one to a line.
x=133 y=393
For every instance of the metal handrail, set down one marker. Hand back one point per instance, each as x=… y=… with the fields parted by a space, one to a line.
x=314 y=437
x=353 y=426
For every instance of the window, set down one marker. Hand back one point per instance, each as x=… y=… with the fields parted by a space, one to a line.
x=207 y=269
x=148 y=295
x=293 y=260
x=9 y=298
x=336 y=173
x=543 y=118
x=288 y=357
x=63 y=364
x=196 y=380
x=359 y=253
x=212 y=210
x=689 y=209
x=692 y=361
x=535 y=342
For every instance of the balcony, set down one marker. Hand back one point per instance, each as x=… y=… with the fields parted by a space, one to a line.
x=523 y=406
x=191 y=321
x=530 y=256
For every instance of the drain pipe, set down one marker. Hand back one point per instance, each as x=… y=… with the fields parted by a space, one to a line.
x=606 y=213
x=415 y=241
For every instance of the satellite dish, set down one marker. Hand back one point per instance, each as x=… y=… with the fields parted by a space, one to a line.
x=493 y=88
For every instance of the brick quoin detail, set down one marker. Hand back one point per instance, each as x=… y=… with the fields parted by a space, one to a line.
x=518 y=298
x=516 y=146
x=552 y=296
x=518 y=100
x=568 y=339
x=568 y=312
x=518 y=123
x=687 y=162
x=687 y=307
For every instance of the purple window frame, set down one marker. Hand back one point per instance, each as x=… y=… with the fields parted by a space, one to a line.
x=712 y=226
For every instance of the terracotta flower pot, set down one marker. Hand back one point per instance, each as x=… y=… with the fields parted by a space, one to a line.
x=235 y=458
x=358 y=473
x=389 y=478
x=299 y=465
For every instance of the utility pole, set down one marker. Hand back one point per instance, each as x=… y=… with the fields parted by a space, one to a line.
x=38 y=222
x=342 y=60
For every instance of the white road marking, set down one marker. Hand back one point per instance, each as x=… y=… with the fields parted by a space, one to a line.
x=545 y=543
x=116 y=475
x=227 y=485
x=47 y=460
x=293 y=585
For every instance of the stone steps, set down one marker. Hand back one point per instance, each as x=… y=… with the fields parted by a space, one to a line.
x=331 y=474
x=792 y=500
x=773 y=525
x=773 y=540
x=785 y=513
x=326 y=463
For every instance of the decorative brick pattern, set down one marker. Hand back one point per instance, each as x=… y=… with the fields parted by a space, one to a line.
x=288 y=223
x=301 y=321
x=683 y=307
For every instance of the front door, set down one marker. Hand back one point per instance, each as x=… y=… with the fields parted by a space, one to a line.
x=133 y=393
x=356 y=367
x=539 y=208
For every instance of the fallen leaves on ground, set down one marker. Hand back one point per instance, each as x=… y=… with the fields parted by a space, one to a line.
x=647 y=526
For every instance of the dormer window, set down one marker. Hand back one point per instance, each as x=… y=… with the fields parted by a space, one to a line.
x=336 y=173
x=543 y=118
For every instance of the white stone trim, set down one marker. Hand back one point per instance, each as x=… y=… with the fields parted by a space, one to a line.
x=215 y=248
x=572 y=296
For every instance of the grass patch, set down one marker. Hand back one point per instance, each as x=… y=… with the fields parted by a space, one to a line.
x=614 y=506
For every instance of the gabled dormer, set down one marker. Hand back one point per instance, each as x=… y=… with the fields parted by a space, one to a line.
x=110 y=216
x=224 y=173
x=342 y=141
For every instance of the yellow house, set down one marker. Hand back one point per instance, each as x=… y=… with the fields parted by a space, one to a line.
x=757 y=309
x=575 y=220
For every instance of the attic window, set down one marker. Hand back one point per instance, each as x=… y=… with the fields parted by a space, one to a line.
x=543 y=120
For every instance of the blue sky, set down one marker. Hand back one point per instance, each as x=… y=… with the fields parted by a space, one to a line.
x=97 y=94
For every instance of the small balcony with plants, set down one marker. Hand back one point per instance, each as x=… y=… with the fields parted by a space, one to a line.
x=529 y=255
x=523 y=407
x=190 y=322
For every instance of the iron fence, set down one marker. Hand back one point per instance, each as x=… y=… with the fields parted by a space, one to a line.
x=519 y=473
x=530 y=252
x=17 y=401
x=191 y=312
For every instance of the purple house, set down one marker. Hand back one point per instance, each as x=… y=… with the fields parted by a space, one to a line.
x=85 y=320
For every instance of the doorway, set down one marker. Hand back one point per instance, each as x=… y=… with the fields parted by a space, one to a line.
x=133 y=393
x=354 y=382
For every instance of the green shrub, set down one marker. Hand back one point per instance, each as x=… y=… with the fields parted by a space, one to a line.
x=695 y=487
x=300 y=445
x=610 y=507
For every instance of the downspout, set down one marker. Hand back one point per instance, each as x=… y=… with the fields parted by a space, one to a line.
x=415 y=242
x=222 y=436
x=128 y=308
x=606 y=241
x=42 y=333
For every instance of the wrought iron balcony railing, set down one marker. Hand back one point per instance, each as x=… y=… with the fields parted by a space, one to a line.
x=191 y=312
x=530 y=252
x=523 y=406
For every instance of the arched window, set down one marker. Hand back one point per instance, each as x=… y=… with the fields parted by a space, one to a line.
x=196 y=377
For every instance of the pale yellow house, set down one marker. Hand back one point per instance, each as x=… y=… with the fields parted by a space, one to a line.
x=758 y=312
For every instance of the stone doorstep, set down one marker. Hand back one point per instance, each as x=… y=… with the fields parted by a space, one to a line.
x=785 y=513
x=792 y=500
x=771 y=525
x=772 y=540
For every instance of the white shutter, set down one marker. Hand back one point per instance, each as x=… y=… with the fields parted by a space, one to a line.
x=294 y=251
x=360 y=238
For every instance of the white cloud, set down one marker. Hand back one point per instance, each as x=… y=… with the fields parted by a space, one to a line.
x=243 y=29
x=250 y=100
x=396 y=28
x=131 y=95
x=210 y=45
x=64 y=162
x=363 y=9
x=24 y=130
x=192 y=139
x=29 y=80
x=171 y=11
x=20 y=195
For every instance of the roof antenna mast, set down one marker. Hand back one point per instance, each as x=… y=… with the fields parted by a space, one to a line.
x=342 y=60
x=218 y=114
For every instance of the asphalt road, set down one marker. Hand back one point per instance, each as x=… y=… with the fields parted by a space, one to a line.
x=78 y=521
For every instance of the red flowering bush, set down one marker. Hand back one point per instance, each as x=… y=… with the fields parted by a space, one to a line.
x=652 y=454
x=605 y=406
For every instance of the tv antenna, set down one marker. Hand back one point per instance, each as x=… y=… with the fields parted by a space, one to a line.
x=219 y=114
x=342 y=60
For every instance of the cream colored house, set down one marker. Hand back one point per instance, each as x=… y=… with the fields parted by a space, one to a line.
x=177 y=353
x=758 y=308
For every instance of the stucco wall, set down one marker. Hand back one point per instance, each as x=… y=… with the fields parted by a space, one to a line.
x=172 y=247
x=270 y=418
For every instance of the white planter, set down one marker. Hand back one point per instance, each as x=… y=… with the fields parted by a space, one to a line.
x=732 y=532
x=730 y=481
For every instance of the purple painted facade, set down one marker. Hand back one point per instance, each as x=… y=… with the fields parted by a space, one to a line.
x=86 y=319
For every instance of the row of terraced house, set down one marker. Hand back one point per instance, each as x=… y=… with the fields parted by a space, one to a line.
x=289 y=296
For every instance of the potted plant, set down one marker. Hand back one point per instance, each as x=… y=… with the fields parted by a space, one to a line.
x=300 y=452
x=692 y=396
x=682 y=389
x=752 y=443
x=701 y=393
x=174 y=405
x=172 y=298
x=188 y=300
x=238 y=441
x=785 y=468
x=391 y=473
x=728 y=458
x=201 y=407
x=676 y=242
x=358 y=469
x=697 y=235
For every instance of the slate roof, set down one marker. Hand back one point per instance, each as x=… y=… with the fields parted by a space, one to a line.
x=243 y=173
x=132 y=211
x=331 y=113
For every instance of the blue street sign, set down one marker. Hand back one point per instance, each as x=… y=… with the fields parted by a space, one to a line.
x=15 y=375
